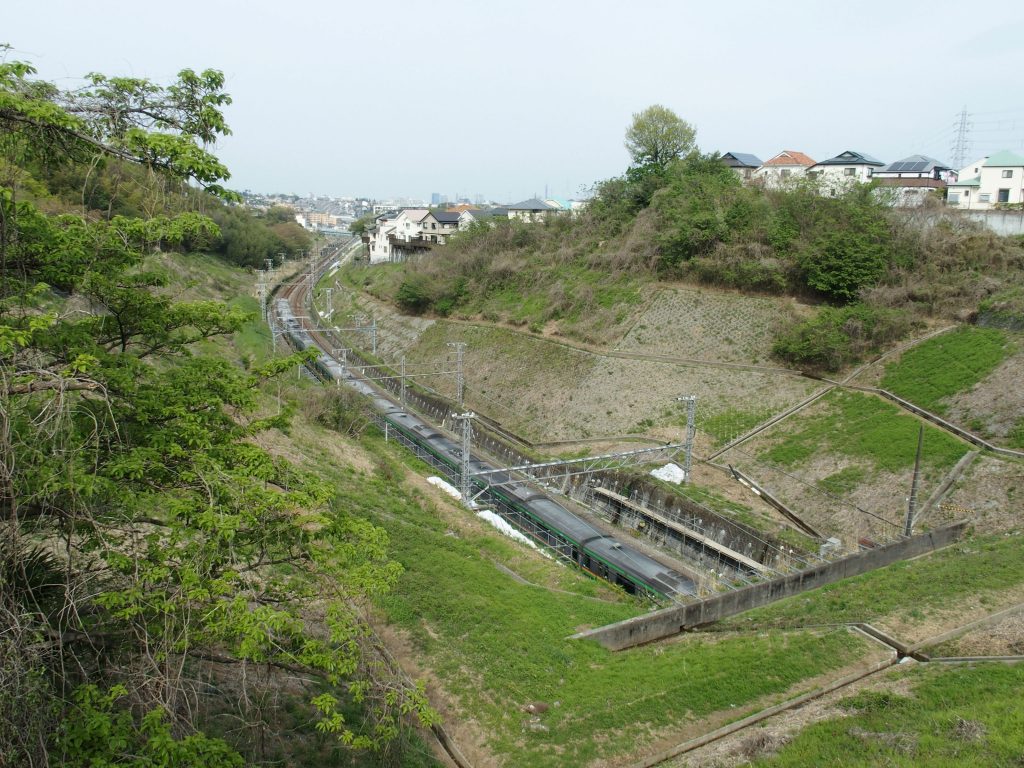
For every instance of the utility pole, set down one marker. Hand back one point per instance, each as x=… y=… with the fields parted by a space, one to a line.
x=261 y=291
x=912 y=502
x=373 y=333
x=466 y=420
x=691 y=431
x=460 y=382
x=330 y=303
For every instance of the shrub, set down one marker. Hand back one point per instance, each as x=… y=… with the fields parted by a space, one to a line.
x=839 y=336
x=341 y=409
x=414 y=293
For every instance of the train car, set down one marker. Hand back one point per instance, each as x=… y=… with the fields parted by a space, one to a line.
x=537 y=514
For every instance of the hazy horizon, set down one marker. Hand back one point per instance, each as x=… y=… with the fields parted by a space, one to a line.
x=465 y=99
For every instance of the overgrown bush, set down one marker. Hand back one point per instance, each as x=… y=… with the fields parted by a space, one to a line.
x=340 y=408
x=746 y=266
x=839 y=336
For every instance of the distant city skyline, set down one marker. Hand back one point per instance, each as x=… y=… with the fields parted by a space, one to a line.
x=505 y=100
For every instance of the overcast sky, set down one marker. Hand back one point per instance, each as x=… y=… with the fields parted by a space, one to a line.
x=508 y=99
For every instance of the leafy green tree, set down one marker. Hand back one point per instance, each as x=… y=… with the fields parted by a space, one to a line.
x=131 y=457
x=360 y=225
x=657 y=136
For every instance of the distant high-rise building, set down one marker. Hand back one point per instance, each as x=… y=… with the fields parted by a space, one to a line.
x=435 y=198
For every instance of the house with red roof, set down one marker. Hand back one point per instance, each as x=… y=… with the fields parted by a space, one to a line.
x=783 y=169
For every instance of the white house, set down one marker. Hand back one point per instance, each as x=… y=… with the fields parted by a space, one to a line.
x=838 y=173
x=783 y=169
x=378 y=238
x=409 y=224
x=992 y=182
x=469 y=217
x=913 y=179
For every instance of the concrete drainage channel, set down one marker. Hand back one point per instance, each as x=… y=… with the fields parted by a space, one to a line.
x=900 y=653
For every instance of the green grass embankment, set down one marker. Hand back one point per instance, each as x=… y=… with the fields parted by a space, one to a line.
x=946 y=365
x=909 y=590
x=865 y=427
x=498 y=644
x=951 y=717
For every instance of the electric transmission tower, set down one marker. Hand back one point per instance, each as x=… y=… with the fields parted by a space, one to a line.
x=961 y=145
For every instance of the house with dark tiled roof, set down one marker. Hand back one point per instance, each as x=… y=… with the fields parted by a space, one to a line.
x=912 y=180
x=438 y=226
x=783 y=169
x=530 y=210
x=743 y=163
x=838 y=173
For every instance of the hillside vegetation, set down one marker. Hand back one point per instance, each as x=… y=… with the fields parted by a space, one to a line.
x=167 y=573
x=876 y=273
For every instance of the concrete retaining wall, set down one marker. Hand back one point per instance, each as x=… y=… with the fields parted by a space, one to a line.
x=1000 y=222
x=757 y=546
x=672 y=621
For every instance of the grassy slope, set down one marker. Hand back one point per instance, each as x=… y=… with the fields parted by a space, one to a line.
x=952 y=717
x=948 y=364
x=203 y=277
x=499 y=645
x=864 y=427
x=984 y=569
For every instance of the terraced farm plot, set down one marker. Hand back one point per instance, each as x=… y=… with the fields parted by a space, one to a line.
x=708 y=325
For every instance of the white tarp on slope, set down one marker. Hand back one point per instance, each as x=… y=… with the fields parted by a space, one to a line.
x=670 y=473
x=447 y=487
x=493 y=518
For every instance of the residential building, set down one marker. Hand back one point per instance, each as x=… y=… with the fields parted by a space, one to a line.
x=438 y=226
x=743 y=164
x=783 y=169
x=378 y=238
x=530 y=210
x=992 y=182
x=839 y=173
x=469 y=217
x=913 y=179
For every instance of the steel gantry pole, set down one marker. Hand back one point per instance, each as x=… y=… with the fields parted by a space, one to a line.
x=691 y=431
x=403 y=381
x=460 y=382
x=467 y=431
